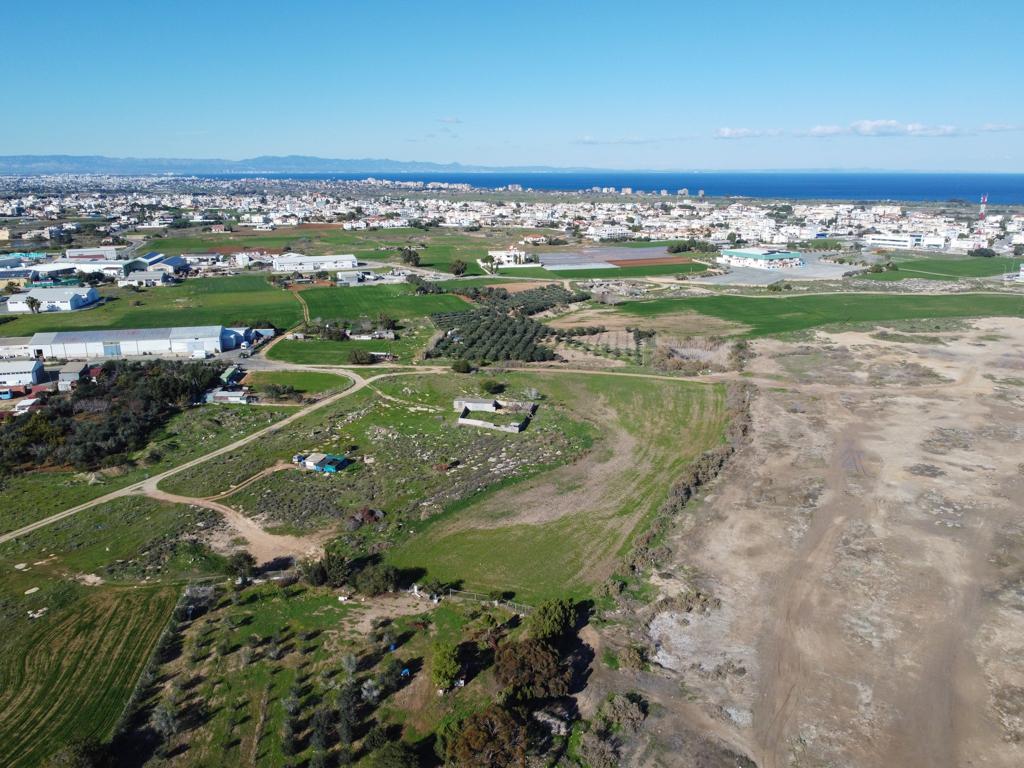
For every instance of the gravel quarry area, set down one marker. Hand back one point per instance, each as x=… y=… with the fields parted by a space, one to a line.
x=860 y=564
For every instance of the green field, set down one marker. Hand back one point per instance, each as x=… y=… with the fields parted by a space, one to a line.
x=947 y=269
x=306 y=382
x=398 y=301
x=31 y=496
x=407 y=347
x=409 y=436
x=231 y=301
x=769 y=315
x=564 y=531
x=68 y=674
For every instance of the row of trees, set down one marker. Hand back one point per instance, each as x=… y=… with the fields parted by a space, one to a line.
x=490 y=336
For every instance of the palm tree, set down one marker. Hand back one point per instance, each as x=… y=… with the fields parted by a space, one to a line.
x=33 y=304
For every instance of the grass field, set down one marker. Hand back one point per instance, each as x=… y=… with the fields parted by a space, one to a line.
x=564 y=531
x=412 y=338
x=230 y=301
x=306 y=382
x=398 y=301
x=71 y=673
x=766 y=316
x=947 y=269
x=34 y=495
x=68 y=674
x=411 y=459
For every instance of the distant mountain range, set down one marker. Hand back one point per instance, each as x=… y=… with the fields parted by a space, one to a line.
x=27 y=165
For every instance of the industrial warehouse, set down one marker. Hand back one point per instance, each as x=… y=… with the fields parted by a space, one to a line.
x=193 y=341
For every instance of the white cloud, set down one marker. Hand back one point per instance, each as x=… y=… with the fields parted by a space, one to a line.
x=827 y=130
x=1000 y=128
x=881 y=128
x=745 y=133
x=450 y=120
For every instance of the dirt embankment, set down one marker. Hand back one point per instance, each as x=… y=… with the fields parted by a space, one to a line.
x=858 y=564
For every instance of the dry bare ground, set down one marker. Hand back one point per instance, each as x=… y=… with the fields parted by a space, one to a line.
x=867 y=550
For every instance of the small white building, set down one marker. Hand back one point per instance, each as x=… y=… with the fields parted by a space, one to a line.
x=298 y=262
x=145 y=279
x=20 y=373
x=96 y=253
x=53 y=299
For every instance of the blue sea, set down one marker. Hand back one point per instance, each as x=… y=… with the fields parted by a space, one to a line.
x=1001 y=188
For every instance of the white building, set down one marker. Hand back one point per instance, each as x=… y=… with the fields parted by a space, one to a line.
x=511 y=257
x=145 y=279
x=760 y=258
x=297 y=262
x=53 y=299
x=20 y=373
x=160 y=342
x=96 y=253
x=903 y=240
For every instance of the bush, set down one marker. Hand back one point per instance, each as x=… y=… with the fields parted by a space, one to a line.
x=462 y=366
x=446 y=665
x=360 y=357
x=491 y=387
x=553 y=620
x=492 y=737
x=392 y=755
x=530 y=669
x=377 y=579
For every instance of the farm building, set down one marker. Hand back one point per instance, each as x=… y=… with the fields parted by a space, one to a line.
x=20 y=373
x=130 y=342
x=760 y=258
x=16 y=276
x=322 y=462
x=297 y=262
x=234 y=396
x=53 y=299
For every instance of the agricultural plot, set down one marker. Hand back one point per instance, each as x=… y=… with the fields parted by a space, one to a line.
x=411 y=462
x=406 y=348
x=278 y=675
x=69 y=672
x=947 y=269
x=31 y=496
x=239 y=300
x=767 y=316
x=564 y=531
x=398 y=301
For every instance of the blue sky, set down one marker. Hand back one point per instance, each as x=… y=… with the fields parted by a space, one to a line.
x=659 y=85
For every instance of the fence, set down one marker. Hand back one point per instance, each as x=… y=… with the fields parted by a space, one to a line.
x=482 y=598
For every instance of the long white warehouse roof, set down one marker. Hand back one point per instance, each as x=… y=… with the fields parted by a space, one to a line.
x=127 y=334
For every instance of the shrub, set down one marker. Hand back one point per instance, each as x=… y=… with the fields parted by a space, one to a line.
x=462 y=366
x=446 y=665
x=553 y=620
x=489 y=738
x=530 y=669
x=492 y=387
x=360 y=357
